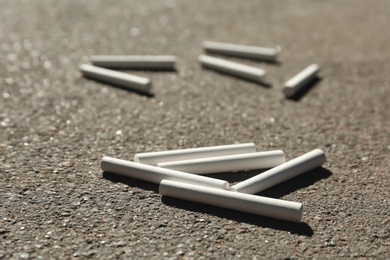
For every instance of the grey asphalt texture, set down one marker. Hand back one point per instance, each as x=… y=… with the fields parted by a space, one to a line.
x=55 y=126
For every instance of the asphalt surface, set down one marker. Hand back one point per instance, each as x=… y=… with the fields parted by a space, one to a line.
x=55 y=126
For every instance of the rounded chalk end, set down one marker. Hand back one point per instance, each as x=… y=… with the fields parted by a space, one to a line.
x=288 y=91
x=84 y=67
x=148 y=83
x=263 y=80
x=278 y=49
x=201 y=58
x=315 y=66
x=136 y=159
x=322 y=154
x=205 y=44
x=103 y=164
x=298 y=217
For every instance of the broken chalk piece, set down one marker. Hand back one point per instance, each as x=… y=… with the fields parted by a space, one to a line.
x=138 y=62
x=153 y=158
x=281 y=173
x=269 y=207
x=244 y=51
x=233 y=68
x=156 y=175
x=121 y=79
x=299 y=81
x=228 y=163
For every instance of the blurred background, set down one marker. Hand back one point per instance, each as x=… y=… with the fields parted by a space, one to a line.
x=55 y=126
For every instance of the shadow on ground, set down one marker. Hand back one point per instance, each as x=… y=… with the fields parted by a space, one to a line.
x=294 y=184
x=277 y=191
x=131 y=182
x=234 y=177
x=294 y=228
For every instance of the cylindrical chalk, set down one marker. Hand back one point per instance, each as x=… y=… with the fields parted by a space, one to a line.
x=156 y=175
x=228 y=163
x=233 y=68
x=281 y=173
x=153 y=158
x=299 y=81
x=125 y=80
x=269 y=207
x=245 y=51
x=160 y=62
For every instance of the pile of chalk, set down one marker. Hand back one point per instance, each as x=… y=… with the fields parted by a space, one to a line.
x=104 y=67
x=179 y=174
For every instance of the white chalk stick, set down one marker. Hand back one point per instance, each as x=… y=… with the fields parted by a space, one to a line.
x=228 y=163
x=269 y=207
x=153 y=158
x=156 y=174
x=158 y=62
x=281 y=173
x=244 y=51
x=125 y=80
x=233 y=68
x=299 y=81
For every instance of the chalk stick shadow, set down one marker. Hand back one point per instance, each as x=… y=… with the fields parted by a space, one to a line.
x=150 y=95
x=260 y=221
x=233 y=177
x=310 y=85
x=280 y=190
x=131 y=182
x=277 y=191
x=270 y=62
x=263 y=84
x=294 y=184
